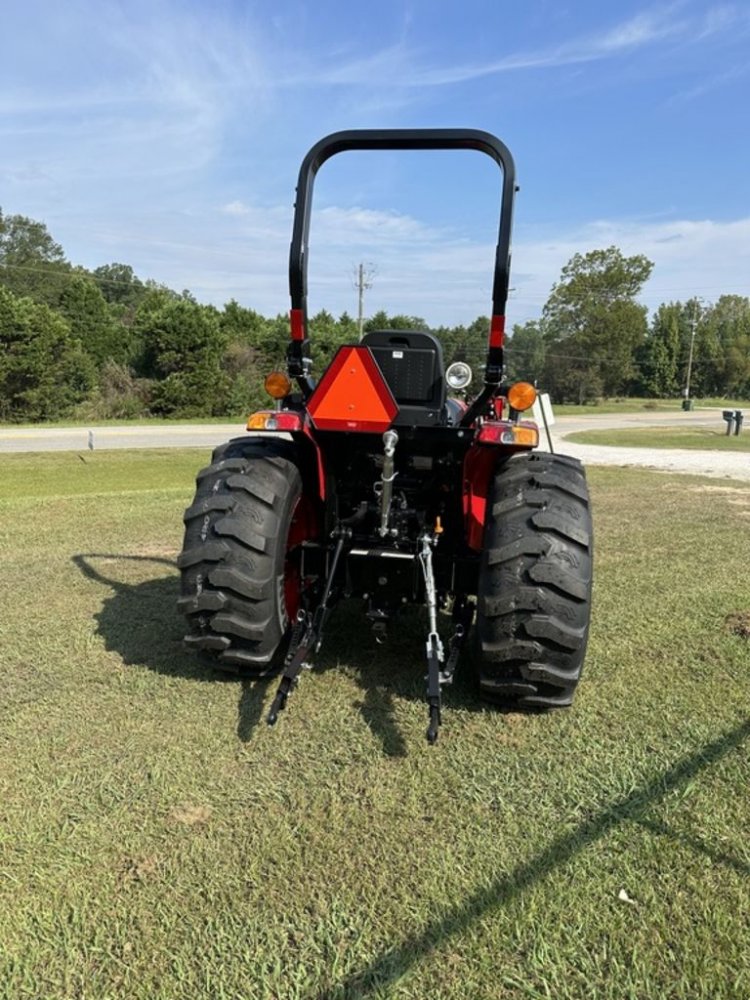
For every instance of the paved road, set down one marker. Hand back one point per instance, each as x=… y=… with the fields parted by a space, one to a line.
x=708 y=417
x=146 y=436
x=734 y=465
x=209 y=435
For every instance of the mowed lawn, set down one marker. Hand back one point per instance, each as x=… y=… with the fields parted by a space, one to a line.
x=158 y=840
x=690 y=438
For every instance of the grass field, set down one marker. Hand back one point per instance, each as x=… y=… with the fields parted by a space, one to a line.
x=638 y=404
x=159 y=842
x=691 y=438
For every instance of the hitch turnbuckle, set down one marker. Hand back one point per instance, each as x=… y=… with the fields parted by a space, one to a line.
x=435 y=653
x=390 y=440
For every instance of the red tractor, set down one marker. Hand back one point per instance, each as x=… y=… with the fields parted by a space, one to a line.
x=374 y=483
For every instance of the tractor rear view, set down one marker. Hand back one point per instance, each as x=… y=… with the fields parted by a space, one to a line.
x=384 y=480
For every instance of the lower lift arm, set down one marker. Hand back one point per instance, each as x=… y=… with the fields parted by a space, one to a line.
x=308 y=633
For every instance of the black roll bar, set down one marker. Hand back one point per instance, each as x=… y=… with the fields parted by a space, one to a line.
x=394 y=139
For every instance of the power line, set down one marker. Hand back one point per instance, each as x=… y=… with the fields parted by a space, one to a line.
x=72 y=271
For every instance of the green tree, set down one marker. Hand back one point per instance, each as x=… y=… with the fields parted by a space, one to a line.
x=244 y=331
x=382 y=321
x=155 y=298
x=119 y=285
x=348 y=327
x=660 y=358
x=593 y=325
x=465 y=343
x=242 y=325
x=275 y=341
x=327 y=334
x=31 y=262
x=184 y=348
x=725 y=346
x=84 y=307
x=44 y=371
x=526 y=352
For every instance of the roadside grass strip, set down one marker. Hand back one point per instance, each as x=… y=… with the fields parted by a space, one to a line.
x=158 y=841
x=689 y=438
x=640 y=404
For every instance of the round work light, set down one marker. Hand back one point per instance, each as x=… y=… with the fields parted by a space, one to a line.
x=458 y=375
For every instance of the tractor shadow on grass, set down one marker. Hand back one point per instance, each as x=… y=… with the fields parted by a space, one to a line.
x=392 y=671
x=396 y=961
x=139 y=622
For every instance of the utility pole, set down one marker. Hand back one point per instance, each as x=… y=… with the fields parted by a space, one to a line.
x=365 y=274
x=693 y=325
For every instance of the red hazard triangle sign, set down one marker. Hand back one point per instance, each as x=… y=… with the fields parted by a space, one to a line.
x=352 y=395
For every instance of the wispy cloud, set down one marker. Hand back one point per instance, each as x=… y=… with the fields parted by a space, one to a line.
x=132 y=92
x=168 y=135
x=355 y=226
x=398 y=66
x=722 y=17
x=691 y=257
x=236 y=207
x=447 y=278
x=442 y=275
x=706 y=86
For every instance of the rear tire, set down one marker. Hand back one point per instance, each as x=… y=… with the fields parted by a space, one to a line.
x=235 y=564
x=534 y=593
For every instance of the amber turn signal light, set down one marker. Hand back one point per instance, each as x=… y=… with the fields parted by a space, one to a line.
x=521 y=396
x=277 y=385
x=257 y=421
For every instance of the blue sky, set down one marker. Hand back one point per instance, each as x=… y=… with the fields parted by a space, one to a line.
x=168 y=135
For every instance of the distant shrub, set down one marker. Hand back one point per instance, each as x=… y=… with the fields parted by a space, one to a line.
x=118 y=396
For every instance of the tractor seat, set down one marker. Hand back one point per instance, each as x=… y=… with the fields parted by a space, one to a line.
x=412 y=364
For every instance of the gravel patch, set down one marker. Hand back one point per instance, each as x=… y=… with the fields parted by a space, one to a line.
x=725 y=464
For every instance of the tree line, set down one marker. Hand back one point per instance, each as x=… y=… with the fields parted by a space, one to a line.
x=103 y=343
x=594 y=339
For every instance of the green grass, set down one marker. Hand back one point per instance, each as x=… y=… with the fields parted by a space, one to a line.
x=637 y=404
x=158 y=841
x=70 y=473
x=692 y=438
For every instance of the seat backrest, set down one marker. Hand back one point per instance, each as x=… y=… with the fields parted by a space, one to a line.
x=412 y=364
